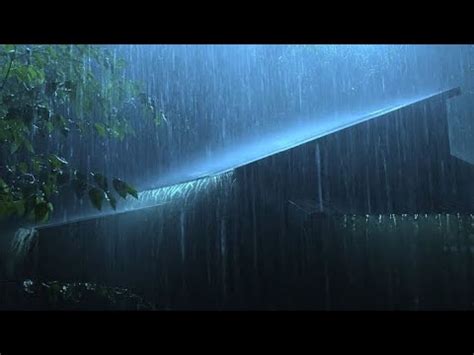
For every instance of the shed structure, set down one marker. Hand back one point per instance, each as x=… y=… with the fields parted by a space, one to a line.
x=269 y=229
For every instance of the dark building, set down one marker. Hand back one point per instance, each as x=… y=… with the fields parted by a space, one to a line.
x=395 y=162
x=319 y=225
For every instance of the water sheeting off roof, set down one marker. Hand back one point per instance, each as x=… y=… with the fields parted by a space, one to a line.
x=275 y=142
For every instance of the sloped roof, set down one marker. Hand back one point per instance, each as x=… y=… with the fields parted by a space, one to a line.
x=192 y=172
x=277 y=142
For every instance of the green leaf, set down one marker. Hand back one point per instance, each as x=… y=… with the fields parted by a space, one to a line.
x=30 y=204
x=112 y=200
x=133 y=192
x=28 y=146
x=8 y=47
x=123 y=188
x=100 y=128
x=79 y=186
x=20 y=207
x=49 y=187
x=42 y=211
x=36 y=164
x=96 y=196
x=49 y=127
x=7 y=208
x=14 y=147
x=100 y=180
x=22 y=167
x=57 y=162
x=3 y=185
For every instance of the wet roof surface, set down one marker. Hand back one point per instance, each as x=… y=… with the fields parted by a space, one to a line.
x=259 y=148
x=248 y=152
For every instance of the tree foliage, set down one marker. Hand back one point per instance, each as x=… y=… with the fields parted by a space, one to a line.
x=47 y=93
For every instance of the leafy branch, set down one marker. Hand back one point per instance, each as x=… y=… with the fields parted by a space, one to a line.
x=48 y=93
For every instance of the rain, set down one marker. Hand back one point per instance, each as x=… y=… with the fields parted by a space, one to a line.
x=270 y=177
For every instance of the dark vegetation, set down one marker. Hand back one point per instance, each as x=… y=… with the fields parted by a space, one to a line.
x=54 y=295
x=51 y=97
x=47 y=94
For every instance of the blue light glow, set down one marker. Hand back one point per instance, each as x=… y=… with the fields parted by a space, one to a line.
x=303 y=130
